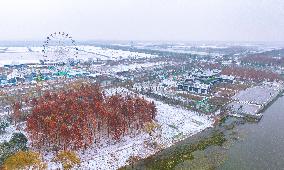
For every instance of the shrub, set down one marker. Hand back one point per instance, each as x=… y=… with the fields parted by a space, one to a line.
x=68 y=159
x=150 y=127
x=24 y=160
x=3 y=125
x=17 y=143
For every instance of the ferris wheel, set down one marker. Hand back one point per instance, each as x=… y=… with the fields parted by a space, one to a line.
x=59 y=47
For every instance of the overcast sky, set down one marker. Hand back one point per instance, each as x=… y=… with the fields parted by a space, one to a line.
x=165 y=20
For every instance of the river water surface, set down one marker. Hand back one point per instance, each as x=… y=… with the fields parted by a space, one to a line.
x=262 y=146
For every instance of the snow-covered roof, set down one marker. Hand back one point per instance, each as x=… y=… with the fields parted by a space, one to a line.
x=94 y=74
x=198 y=85
x=15 y=74
x=226 y=77
x=77 y=72
x=207 y=73
x=227 y=62
x=201 y=85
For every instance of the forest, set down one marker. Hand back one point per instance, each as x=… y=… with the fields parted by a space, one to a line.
x=76 y=117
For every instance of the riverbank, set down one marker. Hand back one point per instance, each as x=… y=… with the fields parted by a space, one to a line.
x=182 y=151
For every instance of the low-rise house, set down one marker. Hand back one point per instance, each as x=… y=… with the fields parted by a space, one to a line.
x=201 y=81
x=194 y=87
x=15 y=77
x=226 y=78
x=205 y=74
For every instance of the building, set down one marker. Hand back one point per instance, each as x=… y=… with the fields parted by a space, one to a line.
x=204 y=74
x=226 y=78
x=194 y=87
x=15 y=77
x=200 y=81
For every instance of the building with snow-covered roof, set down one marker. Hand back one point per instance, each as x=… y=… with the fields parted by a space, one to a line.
x=15 y=76
x=194 y=87
x=201 y=81
x=197 y=73
x=227 y=78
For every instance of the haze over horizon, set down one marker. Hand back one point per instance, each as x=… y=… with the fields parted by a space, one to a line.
x=144 y=20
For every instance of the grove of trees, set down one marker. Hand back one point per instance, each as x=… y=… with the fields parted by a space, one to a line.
x=76 y=117
x=251 y=74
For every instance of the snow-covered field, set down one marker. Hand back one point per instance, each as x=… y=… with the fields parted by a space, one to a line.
x=257 y=95
x=7 y=135
x=21 y=55
x=17 y=50
x=251 y=100
x=19 y=58
x=111 y=54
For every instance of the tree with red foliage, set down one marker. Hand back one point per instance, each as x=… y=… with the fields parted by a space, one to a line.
x=251 y=74
x=74 y=118
x=16 y=114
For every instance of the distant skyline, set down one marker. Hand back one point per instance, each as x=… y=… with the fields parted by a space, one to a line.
x=144 y=20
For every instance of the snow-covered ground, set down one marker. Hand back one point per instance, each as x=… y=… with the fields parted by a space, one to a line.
x=245 y=107
x=252 y=100
x=19 y=58
x=8 y=134
x=17 y=49
x=21 y=55
x=111 y=54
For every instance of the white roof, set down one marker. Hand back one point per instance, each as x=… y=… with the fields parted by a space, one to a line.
x=95 y=74
x=227 y=77
x=206 y=72
x=199 y=85
x=15 y=74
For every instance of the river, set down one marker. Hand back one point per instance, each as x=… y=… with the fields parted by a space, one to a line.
x=251 y=146
x=262 y=146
